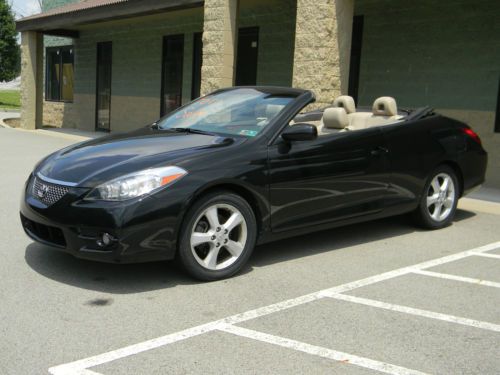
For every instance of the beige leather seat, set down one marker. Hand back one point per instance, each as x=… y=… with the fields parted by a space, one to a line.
x=346 y=102
x=384 y=112
x=334 y=120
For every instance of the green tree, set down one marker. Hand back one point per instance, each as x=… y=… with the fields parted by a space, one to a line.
x=10 y=54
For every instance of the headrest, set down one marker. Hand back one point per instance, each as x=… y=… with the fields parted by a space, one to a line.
x=335 y=118
x=346 y=102
x=385 y=106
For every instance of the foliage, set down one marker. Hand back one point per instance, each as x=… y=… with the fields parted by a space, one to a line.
x=10 y=54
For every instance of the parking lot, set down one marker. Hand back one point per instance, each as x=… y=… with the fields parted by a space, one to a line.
x=375 y=297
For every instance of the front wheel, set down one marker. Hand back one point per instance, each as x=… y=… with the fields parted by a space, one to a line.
x=439 y=202
x=218 y=236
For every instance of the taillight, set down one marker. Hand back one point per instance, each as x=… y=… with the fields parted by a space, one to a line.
x=471 y=134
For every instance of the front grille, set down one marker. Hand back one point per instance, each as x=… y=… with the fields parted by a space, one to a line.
x=46 y=192
x=46 y=233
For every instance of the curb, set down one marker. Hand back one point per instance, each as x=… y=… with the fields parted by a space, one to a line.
x=4 y=125
x=479 y=205
x=55 y=134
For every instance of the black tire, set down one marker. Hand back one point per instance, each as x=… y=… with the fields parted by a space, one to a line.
x=186 y=257
x=423 y=215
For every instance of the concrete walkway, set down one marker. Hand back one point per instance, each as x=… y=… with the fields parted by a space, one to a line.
x=8 y=114
x=73 y=134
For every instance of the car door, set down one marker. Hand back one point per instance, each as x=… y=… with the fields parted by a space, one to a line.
x=416 y=147
x=334 y=177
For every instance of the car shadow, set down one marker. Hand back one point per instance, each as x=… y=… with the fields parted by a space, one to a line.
x=337 y=238
x=104 y=277
x=144 y=277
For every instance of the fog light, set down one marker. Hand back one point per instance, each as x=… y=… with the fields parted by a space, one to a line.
x=105 y=240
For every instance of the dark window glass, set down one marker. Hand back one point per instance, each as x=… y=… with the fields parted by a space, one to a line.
x=248 y=51
x=197 y=63
x=173 y=57
x=59 y=74
x=67 y=74
x=497 y=118
x=355 y=64
x=103 y=86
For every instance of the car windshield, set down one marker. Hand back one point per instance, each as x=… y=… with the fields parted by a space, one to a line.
x=243 y=112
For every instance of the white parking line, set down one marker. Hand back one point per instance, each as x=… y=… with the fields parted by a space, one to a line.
x=79 y=367
x=487 y=255
x=319 y=351
x=418 y=312
x=74 y=367
x=447 y=276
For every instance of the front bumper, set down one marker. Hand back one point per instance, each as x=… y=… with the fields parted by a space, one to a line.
x=144 y=229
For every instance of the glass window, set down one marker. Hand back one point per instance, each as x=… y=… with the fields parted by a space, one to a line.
x=243 y=112
x=59 y=74
x=173 y=57
x=197 y=63
x=497 y=117
x=103 y=85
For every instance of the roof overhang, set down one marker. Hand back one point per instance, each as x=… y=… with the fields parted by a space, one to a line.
x=64 y=21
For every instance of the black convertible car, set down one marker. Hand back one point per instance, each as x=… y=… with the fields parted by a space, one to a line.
x=243 y=166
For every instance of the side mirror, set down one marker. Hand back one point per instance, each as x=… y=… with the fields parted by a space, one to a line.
x=300 y=132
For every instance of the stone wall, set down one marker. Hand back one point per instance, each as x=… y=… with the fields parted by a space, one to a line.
x=321 y=33
x=219 y=41
x=31 y=79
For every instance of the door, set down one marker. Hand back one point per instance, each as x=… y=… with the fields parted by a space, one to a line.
x=246 y=62
x=337 y=176
x=173 y=59
x=103 y=86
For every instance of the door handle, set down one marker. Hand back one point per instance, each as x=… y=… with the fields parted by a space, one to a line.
x=379 y=151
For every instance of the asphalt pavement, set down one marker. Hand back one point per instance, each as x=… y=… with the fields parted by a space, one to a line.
x=375 y=297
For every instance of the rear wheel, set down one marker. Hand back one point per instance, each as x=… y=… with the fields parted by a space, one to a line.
x=439 y=202
x=218 y=236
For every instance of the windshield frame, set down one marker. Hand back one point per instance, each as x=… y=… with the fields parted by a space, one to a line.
x=291 y=93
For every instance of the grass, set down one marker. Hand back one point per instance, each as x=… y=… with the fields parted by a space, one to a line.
x=10 y=99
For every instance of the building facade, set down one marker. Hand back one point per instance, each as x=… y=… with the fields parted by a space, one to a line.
x=116 y=65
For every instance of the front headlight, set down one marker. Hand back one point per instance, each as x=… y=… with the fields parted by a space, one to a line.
x=136 y=184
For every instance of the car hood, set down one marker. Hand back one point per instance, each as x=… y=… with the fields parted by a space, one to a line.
x=89 y=163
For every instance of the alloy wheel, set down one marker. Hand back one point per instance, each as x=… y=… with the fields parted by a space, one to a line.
x=219 y=236
x=441 y=197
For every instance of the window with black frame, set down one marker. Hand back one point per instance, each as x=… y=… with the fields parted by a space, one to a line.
x=59 y=74
x=497 y=117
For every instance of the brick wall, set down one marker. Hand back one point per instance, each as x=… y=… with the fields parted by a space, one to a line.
x=444 y=54
x=137 y=53
x=276 y=22
x=136 y=70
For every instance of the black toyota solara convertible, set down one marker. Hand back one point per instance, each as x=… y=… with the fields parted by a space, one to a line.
x=244 y=166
